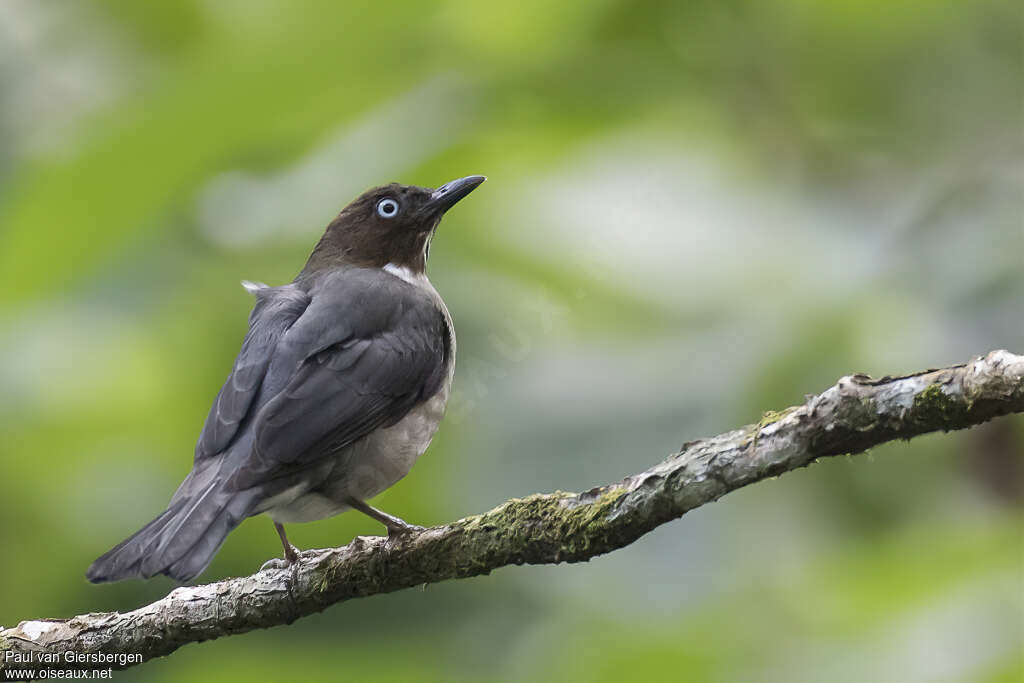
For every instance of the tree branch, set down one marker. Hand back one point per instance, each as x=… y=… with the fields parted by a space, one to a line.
x=850 y=417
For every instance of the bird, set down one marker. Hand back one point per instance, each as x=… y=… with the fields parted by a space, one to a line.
x=340 y=384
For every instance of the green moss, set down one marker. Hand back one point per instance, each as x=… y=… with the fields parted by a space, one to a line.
x=564 y=524
x=933 y=407
x=326 y=579
x=769 y=417
x=773 y=416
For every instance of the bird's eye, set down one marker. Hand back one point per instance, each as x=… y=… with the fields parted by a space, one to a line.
x=387 y=208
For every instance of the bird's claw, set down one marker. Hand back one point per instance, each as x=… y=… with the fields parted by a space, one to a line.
x=276 y=563
x=289 y=561
x=399 y=533
x=404 y=529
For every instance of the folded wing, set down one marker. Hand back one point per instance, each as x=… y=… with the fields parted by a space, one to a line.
x=367 y=349
x=276 y=310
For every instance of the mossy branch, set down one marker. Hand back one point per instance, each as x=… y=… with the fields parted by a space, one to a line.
x=857 y=413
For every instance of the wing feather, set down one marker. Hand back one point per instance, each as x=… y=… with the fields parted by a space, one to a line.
x=276 y=310
x=372 y=348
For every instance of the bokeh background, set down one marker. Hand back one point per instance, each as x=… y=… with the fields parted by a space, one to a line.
x=697 y=212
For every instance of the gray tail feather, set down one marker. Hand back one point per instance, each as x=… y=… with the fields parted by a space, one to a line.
x=180 y=542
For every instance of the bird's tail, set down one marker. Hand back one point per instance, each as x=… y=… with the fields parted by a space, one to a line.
x=181 y=541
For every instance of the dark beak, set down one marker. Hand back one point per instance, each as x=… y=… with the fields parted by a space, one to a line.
x=446 y=196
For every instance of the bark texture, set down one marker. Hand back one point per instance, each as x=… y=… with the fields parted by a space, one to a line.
x=858 y=412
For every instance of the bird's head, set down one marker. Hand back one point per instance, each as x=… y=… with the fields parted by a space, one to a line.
x=388 y=224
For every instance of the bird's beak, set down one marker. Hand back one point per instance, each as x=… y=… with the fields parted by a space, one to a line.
x=446 y=196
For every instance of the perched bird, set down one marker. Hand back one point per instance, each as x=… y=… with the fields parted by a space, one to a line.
x=339 y=386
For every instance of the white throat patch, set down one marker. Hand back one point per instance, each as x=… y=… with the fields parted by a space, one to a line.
x=404 y=273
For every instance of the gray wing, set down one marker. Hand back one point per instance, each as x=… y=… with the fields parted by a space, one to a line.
x=276 y=310
x=367 y=350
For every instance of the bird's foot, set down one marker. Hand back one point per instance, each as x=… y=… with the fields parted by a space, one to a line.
x=398 y=528
x=398 y=533
x=275 y=563
x=290 y=560
x=291 y=554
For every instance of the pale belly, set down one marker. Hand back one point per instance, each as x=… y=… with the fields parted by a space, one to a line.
x=366 y=468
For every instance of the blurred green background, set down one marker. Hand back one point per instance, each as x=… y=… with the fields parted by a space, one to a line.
x=697 y=211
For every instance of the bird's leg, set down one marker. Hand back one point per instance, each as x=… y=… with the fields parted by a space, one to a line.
x=291 y=554
x=396 y=526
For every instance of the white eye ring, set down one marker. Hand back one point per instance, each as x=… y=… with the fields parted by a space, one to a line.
x=387 y=208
